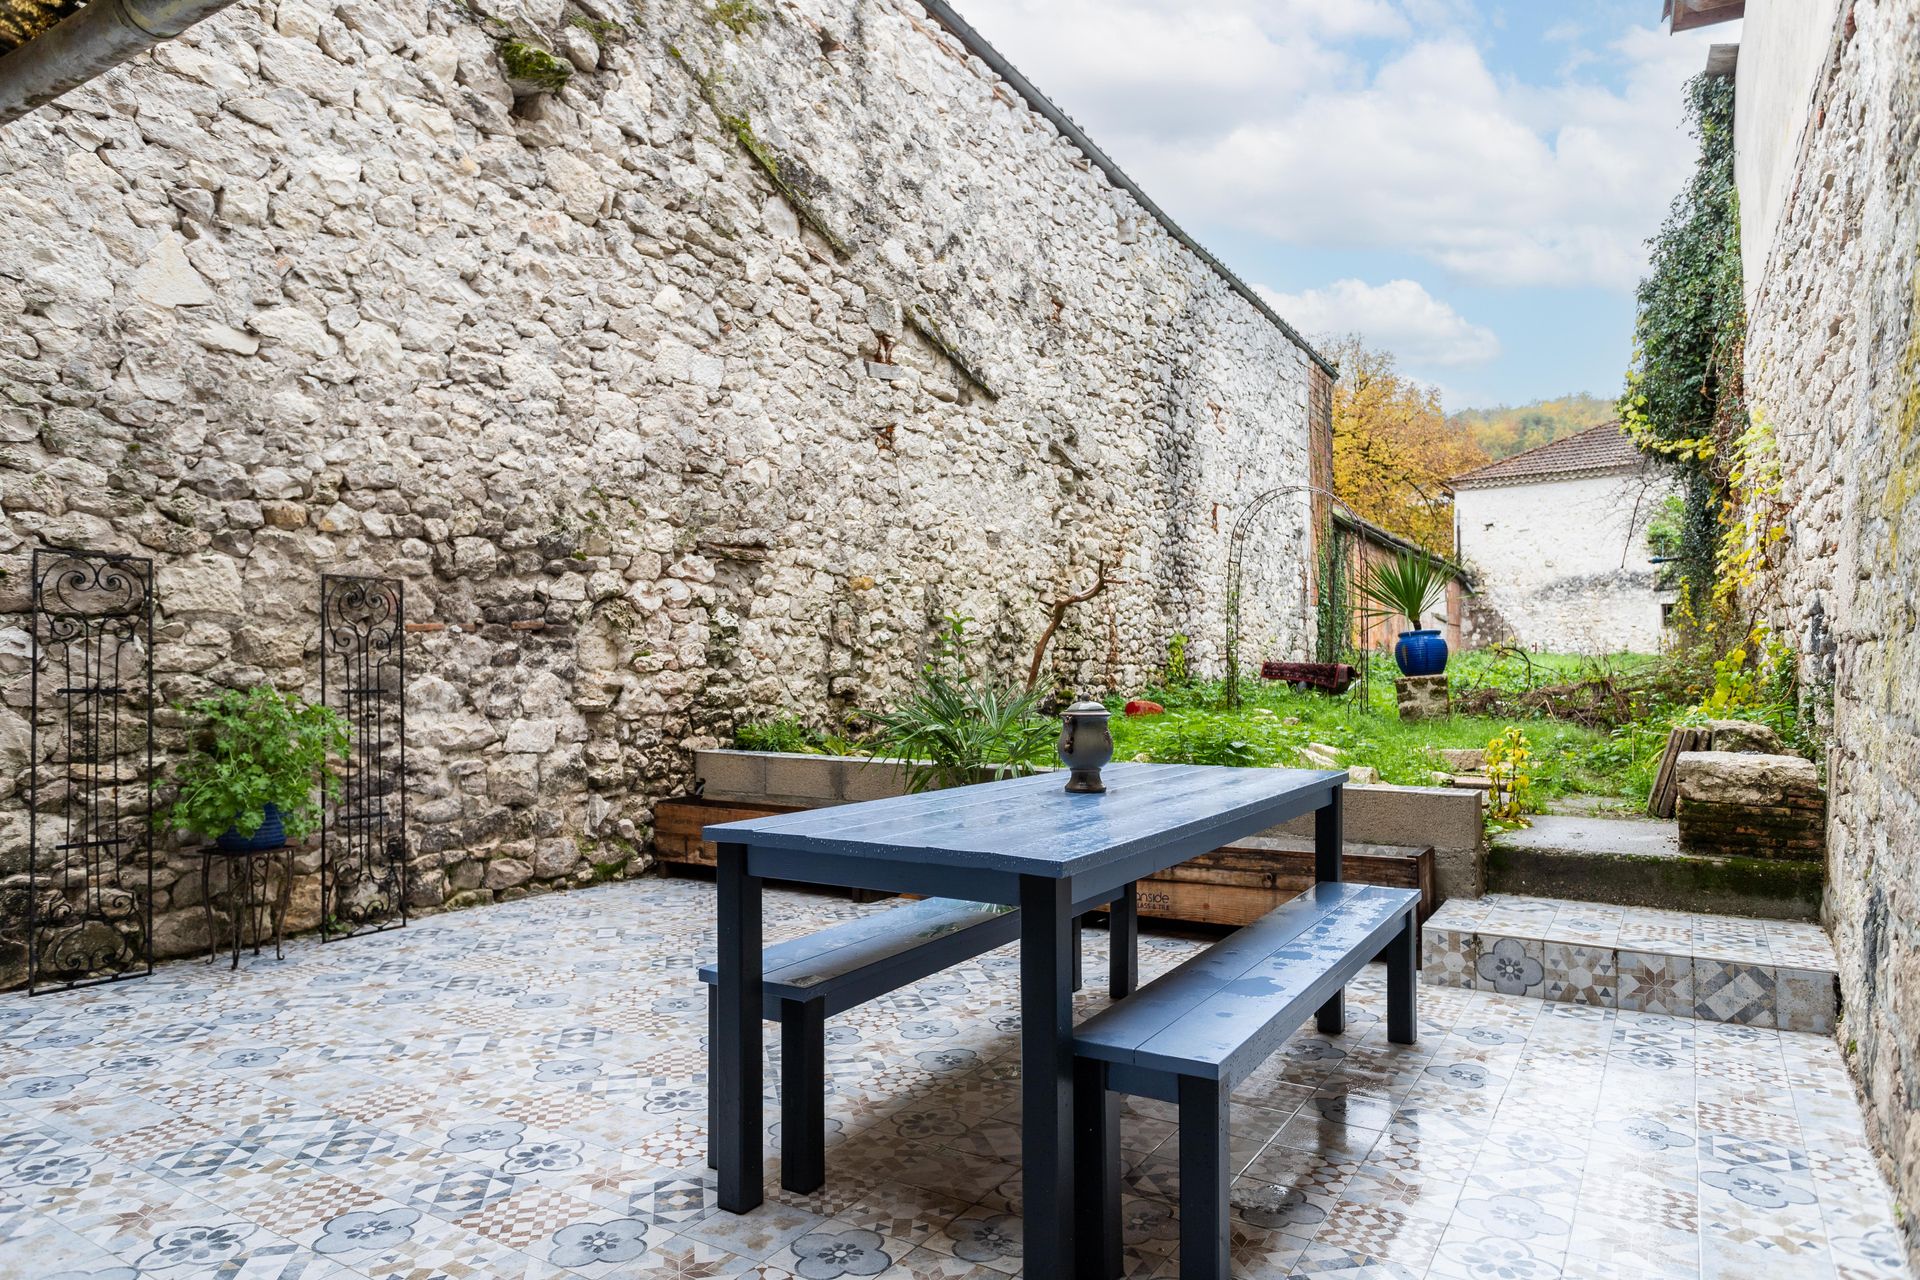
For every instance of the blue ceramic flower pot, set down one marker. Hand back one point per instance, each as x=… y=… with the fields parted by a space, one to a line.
x=270 y=835
x=1421 y=653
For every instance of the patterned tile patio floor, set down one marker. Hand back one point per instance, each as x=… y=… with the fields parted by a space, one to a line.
x=518 y=1091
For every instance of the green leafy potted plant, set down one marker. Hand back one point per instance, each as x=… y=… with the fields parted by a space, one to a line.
x=1410 y=585
x=257 y=772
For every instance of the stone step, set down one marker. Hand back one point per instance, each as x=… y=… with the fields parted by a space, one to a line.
x=1714 y=968
x=1638 y=862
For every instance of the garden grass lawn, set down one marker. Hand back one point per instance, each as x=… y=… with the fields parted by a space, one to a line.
x=1275 y=722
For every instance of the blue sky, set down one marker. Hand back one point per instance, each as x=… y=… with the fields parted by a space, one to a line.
x=1469 y=183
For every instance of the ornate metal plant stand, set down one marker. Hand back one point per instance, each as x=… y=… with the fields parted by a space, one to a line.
x=252 y=902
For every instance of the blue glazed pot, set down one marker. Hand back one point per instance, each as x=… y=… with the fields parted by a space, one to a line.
x=1421 y=653
x=270 y=835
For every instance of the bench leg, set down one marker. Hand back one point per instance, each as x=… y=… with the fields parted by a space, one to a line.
x=803 y=1095
x=1332 y=1016
x=713 y=1106
x=1096 y=1116
x=1123 y=937
x=1403 y=984
x=1329 y=847
x=1079 y=966
x=1206 y=1243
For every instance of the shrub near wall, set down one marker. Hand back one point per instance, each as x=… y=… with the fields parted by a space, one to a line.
x=701 y=387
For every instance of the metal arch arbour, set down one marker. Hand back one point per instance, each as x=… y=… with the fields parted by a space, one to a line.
x=1243 y=527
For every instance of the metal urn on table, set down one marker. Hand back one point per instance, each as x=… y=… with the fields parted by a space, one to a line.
x=1086 y=745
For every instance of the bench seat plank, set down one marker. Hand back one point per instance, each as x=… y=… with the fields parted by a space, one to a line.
x=853 y=962
x=1218 y=1021
x=1115 y=1033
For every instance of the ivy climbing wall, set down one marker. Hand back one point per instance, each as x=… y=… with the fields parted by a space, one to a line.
x=688 y=361
x=1833 y=377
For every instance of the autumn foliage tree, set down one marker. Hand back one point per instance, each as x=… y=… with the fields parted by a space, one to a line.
x=1393 y=448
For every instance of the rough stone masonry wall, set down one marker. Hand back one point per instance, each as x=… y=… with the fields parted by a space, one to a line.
x=700 y=390
x=1833 y=362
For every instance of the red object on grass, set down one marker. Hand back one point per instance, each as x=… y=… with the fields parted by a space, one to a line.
x=1141 y=707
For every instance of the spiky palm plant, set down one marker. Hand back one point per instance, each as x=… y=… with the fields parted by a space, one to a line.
x=953 y=730
x=1409 y=585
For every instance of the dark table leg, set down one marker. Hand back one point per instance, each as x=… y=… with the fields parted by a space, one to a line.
x=1123 y=940
x=1046 y=1074
x=736 y=1074
x=1329 y=844
x=1403 y=984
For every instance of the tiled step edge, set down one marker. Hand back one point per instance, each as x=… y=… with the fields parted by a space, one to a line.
x=1678 y=985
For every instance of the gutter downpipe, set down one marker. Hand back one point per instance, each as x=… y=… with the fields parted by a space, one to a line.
x=89 y=43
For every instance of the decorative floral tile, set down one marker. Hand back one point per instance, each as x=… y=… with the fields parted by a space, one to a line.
x=1510 y=966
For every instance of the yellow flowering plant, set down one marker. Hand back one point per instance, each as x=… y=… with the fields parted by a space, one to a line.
x=1510 y=768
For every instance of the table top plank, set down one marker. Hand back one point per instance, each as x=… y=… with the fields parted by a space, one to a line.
x=1033 y=826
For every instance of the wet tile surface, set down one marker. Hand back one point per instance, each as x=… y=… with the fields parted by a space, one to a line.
x=519 y=1091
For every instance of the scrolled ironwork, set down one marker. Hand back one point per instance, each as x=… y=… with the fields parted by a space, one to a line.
x=89 y=832
x=363 y=676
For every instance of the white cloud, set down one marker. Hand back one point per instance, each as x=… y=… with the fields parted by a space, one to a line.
x=1267 y=116
x=1399 y=315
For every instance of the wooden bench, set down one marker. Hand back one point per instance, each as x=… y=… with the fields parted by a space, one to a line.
x=807 y=980
x=1191 y=1036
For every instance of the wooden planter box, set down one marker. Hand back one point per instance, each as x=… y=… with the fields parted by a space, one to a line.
x=1242 y=882
x=1231 y=886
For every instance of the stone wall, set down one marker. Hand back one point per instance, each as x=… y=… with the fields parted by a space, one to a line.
x=697 y=391
x=1833 y=363
x=1561 y=564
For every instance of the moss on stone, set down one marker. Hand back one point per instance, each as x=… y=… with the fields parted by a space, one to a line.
x=790 y=178
x=604 y=30
x=530 y=64
x=737 y=16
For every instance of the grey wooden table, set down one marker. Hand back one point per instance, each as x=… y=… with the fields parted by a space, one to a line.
x=1025 y=842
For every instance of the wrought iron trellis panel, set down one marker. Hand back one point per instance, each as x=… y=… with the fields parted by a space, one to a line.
x=90 y=771
x=363 y=834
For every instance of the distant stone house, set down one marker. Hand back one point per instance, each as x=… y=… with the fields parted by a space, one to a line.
x=1556 y=540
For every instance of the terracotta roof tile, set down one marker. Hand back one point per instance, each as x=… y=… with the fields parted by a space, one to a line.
x=1602 y=448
